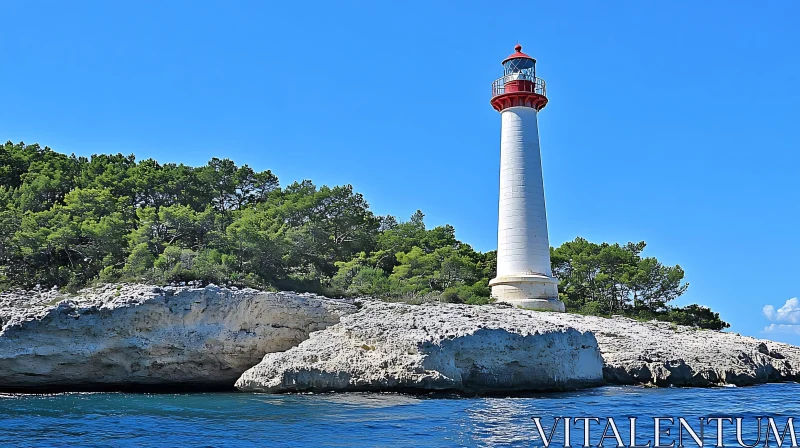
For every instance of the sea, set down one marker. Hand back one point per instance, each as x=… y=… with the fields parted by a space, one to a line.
x=234 y=419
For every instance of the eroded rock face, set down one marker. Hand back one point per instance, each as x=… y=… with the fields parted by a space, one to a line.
x=136 y=336
x=121 y=336
x=470 y=349
x=659 y=354
x=663 y=354
x=496 y=349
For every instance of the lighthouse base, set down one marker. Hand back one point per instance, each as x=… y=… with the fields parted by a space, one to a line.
x=534 y=292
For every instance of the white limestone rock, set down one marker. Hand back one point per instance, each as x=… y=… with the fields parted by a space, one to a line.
x=496 y=349
x=469 y=349
x=133 y=336
x=137 y=336
x=663 y=354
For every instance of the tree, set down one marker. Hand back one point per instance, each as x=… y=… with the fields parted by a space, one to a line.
x=697 y=316
x=605 y=279
x=219 y=177
x=254 y=242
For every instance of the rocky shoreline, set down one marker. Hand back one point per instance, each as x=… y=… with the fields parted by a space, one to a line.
x=467 y=349
x=139 y=337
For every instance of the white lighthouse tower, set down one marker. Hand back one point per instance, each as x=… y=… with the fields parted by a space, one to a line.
x=524 y=277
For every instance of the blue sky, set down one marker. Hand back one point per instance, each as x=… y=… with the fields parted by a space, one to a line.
x=672 y=122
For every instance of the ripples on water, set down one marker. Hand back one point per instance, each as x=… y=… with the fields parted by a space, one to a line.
x=355 y=420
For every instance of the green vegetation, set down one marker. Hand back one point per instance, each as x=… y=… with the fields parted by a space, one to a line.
x=607 y=279
x=70 y=221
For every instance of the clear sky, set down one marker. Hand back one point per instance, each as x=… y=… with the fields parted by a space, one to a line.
x=673 y=122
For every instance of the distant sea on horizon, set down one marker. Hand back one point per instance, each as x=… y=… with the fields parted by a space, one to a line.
x=360 y=419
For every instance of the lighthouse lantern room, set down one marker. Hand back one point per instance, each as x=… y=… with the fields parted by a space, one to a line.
x=519 y=85
x=524 y=276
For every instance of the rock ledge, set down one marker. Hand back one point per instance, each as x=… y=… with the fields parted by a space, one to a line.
x=142 y=337
x=492 y=349
x=468 y=349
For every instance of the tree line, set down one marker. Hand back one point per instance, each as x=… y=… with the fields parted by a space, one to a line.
x=70 y=221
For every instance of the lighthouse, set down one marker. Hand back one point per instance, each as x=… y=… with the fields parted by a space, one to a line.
x=524 y=277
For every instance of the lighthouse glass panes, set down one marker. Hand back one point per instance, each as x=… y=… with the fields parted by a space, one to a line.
x=520 y=67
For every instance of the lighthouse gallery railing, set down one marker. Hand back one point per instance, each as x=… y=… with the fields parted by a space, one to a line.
x=536 y=86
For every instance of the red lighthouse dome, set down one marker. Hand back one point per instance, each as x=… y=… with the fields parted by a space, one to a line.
x=518 y=54
x=519 y=86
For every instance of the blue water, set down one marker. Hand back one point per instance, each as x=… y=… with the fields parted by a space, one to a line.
x=356 y=420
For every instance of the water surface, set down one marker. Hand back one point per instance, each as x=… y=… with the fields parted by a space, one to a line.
x=357 y=420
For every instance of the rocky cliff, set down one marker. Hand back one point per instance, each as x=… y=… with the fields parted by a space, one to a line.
x=135 y=336
x=663 y=354
x=470 y=349
x=138 y=337
x=498 y=349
